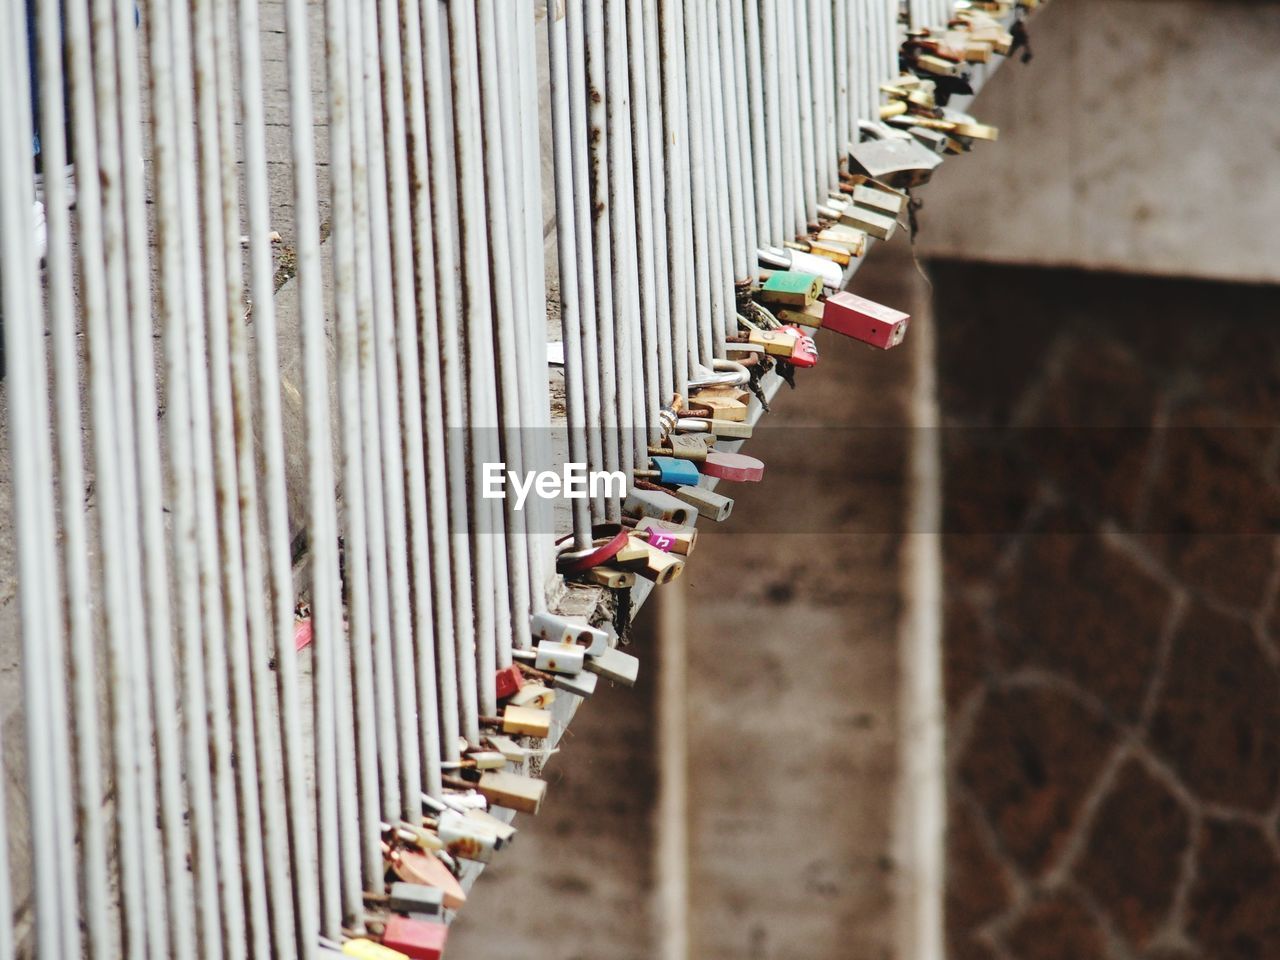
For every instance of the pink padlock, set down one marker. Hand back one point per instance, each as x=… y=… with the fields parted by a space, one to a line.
x=733 y=466
x=805 y=353
x=662 y=541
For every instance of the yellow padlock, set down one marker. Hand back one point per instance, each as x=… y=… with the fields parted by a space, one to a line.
x=369 y=950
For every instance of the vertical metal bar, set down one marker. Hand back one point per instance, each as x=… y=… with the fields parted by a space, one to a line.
x=664 y=267
x=719 y=265
x=747 y=171
x=651 y=303
x=402 y=440
x=355 y=742
x=326 y=916
x=567 y=249
x=601 y=202
x=203 y=662
x=478 y=327
x=622 y=240
x=725 y=81
x=520 y=419
x=581 y=144
x=705 y=280
x=453 y=580
x=534 y=367
x=762 y=148
x=55 y=927
x=280 y=747
x=774 y=120
x=379 y=408
x=88 y=754
x=179 y=288
x=801 y=28
x=505 y=287
x=136 y=739
x=845 y=104
x=420 y=391
x=159 y=654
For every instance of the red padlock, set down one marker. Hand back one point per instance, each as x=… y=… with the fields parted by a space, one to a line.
x=419 y=939
x=508 y=681
x=805 y=353
x=865 y=320
x=733 y=466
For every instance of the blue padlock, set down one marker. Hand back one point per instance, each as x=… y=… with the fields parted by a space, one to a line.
x=670 y=470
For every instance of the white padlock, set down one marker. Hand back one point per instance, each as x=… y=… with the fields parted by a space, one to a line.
x=558 y=657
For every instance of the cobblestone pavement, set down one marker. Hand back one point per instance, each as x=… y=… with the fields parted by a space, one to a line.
x=1113 y=688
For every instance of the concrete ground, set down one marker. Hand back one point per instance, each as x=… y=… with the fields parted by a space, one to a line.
x=793 y=610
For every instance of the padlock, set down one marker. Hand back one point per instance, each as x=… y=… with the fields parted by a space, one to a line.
x=576 y=629
x=658 y=504
x=901 y=163
x=723 y=391
x=533 y=695
x=736 y=467
x=836 y=253
x=513 y=791
x=509 y=680
x=727 y=429
x=668 y=470
x=418 y=836
x=487 y=759
x=843 y=236
x=582 y=685
x=429 y=870
x=782 y=258
x=512 y=751
x=935 y=140
x=777 y=343
x=680 y=539
x=792 y=288
x=805 y=353
x=415 y=899
x=417 y=939
x=708 y=503
x=890 y=203
x=610 y=577
x=503 y=831
x=466 y=839
x=810 y=316
x=363 y=949
x=871 y=222
x=722 y=408
x=556 y=657
x=629 y=553
x=617 y=666
x=865 y=320
x=894 y=108
x=686 y=446
x=526 y=721
x=938 y=66
x=656 y=565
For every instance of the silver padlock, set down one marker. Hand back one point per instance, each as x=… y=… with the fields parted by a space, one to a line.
x=582 y=684
x=617 y=666
x=555 y=628
x=657 y=504
x=557 y=657
x=465 y=838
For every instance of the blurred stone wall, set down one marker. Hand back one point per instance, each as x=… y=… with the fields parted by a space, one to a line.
x=1111 y=497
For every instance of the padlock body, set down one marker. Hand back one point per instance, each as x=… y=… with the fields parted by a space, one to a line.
x=865 y=320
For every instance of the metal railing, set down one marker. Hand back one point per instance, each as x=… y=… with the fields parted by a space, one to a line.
x=206 y=425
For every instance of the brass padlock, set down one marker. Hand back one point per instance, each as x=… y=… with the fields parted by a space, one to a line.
x=708 y=503
x=513 y=791
x=533 y=695
x=656 y=565
x=610 y=577
x=527 y=721
x=669 y=536
x=776 y=343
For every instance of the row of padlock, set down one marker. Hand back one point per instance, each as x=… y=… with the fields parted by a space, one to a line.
x=777 y=321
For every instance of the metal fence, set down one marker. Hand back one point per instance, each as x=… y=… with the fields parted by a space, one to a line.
x=207 y=425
